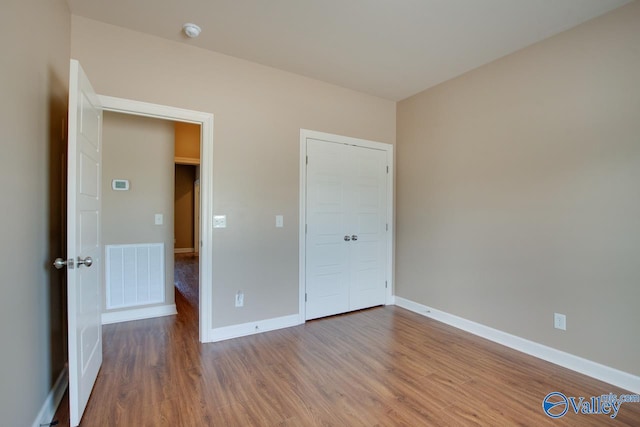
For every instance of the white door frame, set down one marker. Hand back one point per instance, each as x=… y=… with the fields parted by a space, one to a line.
x=196 y=215
x=388 y=148
x=205 y=120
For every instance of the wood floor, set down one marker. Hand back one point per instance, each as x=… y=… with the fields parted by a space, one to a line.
x=380 y=367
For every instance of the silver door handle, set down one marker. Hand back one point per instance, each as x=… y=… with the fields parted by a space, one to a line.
x=347 y=238
x=61 y=263
x=354 y=237
x=87 y=261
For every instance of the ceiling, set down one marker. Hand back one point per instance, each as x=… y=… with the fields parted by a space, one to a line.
x=389 y=48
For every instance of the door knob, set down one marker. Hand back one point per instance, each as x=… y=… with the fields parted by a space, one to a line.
x=60 y=263
x=87 y=261
x=347 y=238
x=354 y=237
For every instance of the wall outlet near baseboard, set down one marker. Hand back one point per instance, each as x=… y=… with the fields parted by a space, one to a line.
x=239 y=299
x=560 y=321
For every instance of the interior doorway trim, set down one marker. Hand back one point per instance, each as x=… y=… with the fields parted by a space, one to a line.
x=205 y=120
x=388 y=148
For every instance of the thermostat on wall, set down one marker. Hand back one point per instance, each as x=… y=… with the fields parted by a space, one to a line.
x=120 y=184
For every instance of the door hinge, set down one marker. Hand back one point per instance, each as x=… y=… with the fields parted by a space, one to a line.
x=307 y=160
x=305 y=297
x=387 y=169
x=387 y=226
x=305 y=229
x=385 y=284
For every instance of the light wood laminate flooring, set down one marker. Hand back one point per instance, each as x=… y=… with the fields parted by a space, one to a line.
x=379 y=367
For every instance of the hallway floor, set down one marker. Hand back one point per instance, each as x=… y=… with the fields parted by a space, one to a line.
x=186 y=272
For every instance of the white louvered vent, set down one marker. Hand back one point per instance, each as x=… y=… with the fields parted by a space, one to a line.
x=134 y=275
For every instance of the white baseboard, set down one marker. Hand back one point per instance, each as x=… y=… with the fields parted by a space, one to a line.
x=244 y=329
x=50 y=405
x=601 y=372
x=138 y=314
x=183 y=250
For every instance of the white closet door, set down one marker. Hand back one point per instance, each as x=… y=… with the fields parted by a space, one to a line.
x=368 y=224
x=346 y=228
x=327 y=275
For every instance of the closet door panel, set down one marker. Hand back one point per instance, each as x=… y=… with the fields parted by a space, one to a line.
x=368 y=224
x=327 y=256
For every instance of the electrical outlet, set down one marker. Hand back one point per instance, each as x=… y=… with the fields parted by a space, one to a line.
x=239 y=299
x=560 y=321
x=219 y=221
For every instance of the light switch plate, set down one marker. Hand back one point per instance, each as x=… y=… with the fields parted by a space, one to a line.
x=159 y=219
x=239 y=299
x=279 y=221
x=219 y=221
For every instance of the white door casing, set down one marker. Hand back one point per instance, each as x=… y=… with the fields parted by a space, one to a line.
x=196 y=215
x=83 y=240
x=346 y=191
x=205 y=120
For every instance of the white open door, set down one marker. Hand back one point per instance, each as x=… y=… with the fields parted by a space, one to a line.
x=83 y=240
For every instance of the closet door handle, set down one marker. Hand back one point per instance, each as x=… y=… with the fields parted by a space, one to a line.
x=354 y=237
x=347 y=238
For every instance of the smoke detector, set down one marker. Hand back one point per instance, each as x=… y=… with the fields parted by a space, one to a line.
x=191 y=30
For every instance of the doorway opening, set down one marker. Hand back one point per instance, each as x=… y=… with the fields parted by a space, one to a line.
x=203 y=121
x=149 y=225
x=187 y=214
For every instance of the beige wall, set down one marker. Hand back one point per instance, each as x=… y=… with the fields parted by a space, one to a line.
x=519 y=192
x=258 y=114
x=139 y=149
x=187 y=137
x=183 y=206
x=33 y=110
